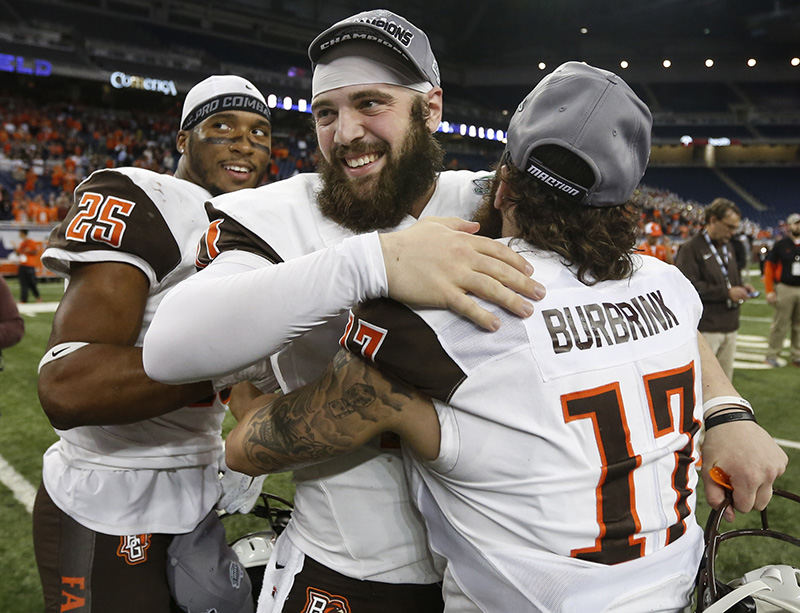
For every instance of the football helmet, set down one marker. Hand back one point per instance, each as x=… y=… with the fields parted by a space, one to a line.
x=255 y=548
x=769 y=589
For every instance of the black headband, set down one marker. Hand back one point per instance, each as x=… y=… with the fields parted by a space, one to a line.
x=225 y=102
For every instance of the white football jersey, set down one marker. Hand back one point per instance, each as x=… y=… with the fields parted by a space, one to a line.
x=352 y=514
x=158 y=474
x=566 y=474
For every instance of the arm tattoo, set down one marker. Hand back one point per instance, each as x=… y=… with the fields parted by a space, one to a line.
x=348 y=405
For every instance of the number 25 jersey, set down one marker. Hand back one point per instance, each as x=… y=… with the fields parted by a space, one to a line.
x=158 y=474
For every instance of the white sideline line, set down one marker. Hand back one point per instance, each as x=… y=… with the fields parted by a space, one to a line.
x=756 y=319
x=785 y=443
x=32 y=308
x=23 y=491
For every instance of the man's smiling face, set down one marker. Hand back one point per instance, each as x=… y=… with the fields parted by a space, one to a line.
x=378 y=157
x=227 y=151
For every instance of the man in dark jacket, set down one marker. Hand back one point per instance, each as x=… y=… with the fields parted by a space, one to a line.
x=708 y=261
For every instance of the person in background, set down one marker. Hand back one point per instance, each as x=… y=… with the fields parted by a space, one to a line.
x=12 y=327
x=708 y=261
x=740 y=244
x=125 y=518
x=29 y=251
x=782 y=285
x=6 y=208
x=656 y=244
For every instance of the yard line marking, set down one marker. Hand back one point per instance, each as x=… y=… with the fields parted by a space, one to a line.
x=32 y=308
x=754 y=359
x=759 y=345
x=23 y=491
x=751 y=337
x=785 y=443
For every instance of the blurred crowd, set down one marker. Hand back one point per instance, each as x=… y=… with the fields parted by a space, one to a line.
x=673 y=220
x=47 y=149
x=681 y=218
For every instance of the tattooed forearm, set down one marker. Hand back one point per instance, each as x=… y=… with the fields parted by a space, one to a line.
x=279 y=434
x=347 y=406
x=354 y=398
x=342 y=359
x=268 y=447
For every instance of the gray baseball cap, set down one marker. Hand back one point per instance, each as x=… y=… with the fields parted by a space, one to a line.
x=383 y=28
x=204 y=573
x=593 y=113
x=793 y=218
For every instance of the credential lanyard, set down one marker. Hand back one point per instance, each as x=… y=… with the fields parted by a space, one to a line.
x=721 y=260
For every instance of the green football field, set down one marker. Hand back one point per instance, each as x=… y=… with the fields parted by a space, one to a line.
x=25 y=433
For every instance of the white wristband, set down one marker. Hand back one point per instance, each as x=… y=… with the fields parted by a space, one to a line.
x=733 y=401
x=59 y=351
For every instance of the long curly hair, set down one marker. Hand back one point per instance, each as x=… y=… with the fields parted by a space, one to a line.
x=597 y=241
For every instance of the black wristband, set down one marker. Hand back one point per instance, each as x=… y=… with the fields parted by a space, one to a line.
x=723 y=410
x=716 y=420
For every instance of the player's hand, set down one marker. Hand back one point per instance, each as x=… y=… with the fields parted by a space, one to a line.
x=242 y=397
x=772 y=298
x=752 y=459
x=437 y=262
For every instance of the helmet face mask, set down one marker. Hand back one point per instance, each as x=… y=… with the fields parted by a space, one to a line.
x=254 y=549
x=769 y=589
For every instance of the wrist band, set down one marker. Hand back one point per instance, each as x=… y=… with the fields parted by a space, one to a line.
x=735 y=401
x=59 y=351
x=722 y=410
x=728 y=417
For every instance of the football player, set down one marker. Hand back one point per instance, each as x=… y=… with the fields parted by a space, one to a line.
x=555 y=468
x=136 y=460
x=299 y=252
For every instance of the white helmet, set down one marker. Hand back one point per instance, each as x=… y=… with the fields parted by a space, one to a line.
x=254 y=549
x=773 y=589
x=769 y=589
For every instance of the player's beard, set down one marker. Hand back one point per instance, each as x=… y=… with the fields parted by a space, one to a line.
x=374 y=202
x=490 y=218
x=795 y=233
